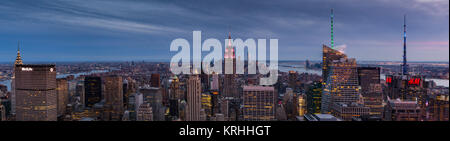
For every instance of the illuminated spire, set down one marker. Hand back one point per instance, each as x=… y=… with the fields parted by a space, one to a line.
x=404 y=65
x=18 y=58
x=332 y=33
x=229 y=50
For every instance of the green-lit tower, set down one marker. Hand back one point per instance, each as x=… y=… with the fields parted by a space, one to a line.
x=332 y=34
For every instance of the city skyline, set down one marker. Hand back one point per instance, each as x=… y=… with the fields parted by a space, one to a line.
x=54 y=31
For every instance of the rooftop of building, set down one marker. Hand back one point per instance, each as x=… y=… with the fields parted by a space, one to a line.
x=36 y=65
x=320 y=117
x=258 y=88
x=352 y=104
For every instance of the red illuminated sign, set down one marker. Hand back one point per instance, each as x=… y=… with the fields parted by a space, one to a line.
x=414 y=81
x=388 y=80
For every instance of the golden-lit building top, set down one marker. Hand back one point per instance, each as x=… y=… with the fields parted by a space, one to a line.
x=18 y=58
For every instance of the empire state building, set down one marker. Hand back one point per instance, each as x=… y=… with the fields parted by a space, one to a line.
x=229 y=86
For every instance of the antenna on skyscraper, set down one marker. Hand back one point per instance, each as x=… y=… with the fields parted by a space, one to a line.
x=404 y=65
x=229 y=31
x=332 y=33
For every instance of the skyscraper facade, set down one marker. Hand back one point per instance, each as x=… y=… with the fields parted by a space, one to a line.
x=18 y=61
x=371 y=91
x=229 y=84
x=405 y=87
x=329 y=55
x=35 y=89
x=155 y=80
x=113 y=94
x=144 y=112
x=153 y=95
x=401 y=110
x=341 y=85
x=62 y=92
x=92 y=90
x=348 y=111
x=215 y=82
x=193 y=98
x=259 y=103
x=314 y=98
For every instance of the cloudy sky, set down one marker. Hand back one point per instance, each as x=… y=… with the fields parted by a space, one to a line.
x=115 y=30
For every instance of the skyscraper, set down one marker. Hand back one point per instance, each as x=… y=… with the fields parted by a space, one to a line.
x=348 y=111
x=406 y=86
x=401 y=110
x=339 y=74
x=229 y=86
x=293 y=79
x=92 y=90
x=134 y=102
x=18 y=61
x=371 y=91
x=80 y=94
x=207 y=103
x=176 y=94
x=341 y=85
x=155 y=82
x=332 y=30
x=193 y=98
x=62 y=92
x=259 y=103
x=113 y=95
x=215 y=82
x=405 y=64
x=153 y=95
x=329 y=55
x=301 y=105
x=144 y=112
x=314 y=98
x=35 y=91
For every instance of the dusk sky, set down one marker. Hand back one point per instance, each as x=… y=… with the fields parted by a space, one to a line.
x=113 y=30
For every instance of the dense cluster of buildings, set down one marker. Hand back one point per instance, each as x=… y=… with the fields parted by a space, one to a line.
x=143 y=91
x=345 y=92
